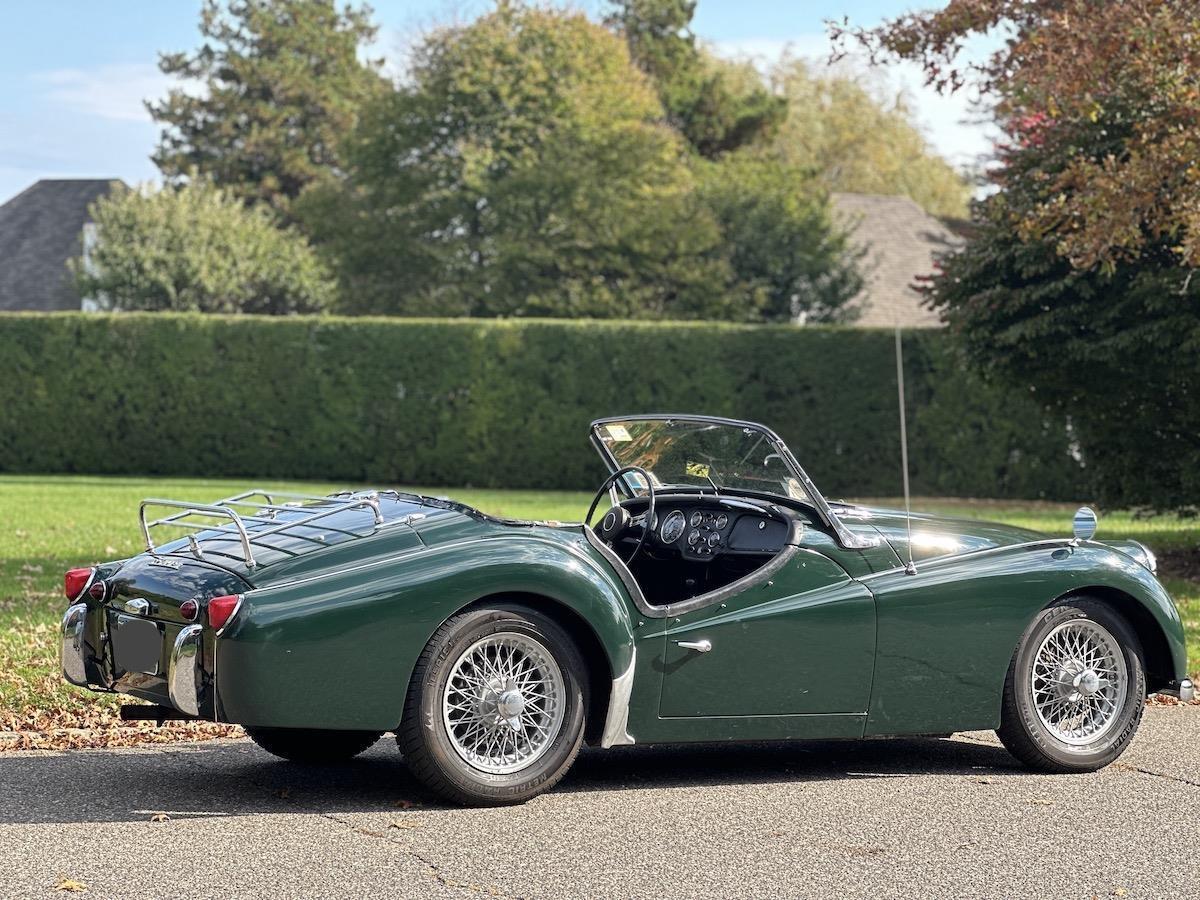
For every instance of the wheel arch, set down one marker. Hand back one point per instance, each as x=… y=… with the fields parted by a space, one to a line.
x=1160 y=666
x=599 y=667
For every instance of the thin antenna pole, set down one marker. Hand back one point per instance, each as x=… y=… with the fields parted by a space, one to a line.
x=911 y=568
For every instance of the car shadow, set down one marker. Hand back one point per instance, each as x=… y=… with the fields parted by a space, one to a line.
x=235 y=778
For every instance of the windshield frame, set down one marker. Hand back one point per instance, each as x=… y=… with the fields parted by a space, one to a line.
x=845 y=536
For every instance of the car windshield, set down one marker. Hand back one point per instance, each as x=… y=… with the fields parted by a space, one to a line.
x=684 y=452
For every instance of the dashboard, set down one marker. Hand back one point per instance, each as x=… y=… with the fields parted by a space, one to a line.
x=699 y=530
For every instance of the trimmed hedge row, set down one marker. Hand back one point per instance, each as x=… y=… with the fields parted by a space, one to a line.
x=493 y=403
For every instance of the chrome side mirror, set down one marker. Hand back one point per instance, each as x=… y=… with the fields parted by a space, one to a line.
x=1084 y=523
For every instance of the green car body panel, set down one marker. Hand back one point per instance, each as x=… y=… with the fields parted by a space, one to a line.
x=836 y=638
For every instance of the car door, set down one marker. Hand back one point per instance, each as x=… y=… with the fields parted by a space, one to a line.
x=800 y=643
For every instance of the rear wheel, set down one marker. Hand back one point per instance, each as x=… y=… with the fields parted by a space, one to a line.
x=309 y=745
x=495 y=710
x=1074 y=691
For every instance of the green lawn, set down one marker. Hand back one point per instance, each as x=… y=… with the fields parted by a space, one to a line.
x=49 y=524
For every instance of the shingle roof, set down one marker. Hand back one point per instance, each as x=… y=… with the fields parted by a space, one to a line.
x=902 y=243
x=39 y=231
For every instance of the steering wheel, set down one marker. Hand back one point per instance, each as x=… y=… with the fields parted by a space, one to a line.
x=617 y=519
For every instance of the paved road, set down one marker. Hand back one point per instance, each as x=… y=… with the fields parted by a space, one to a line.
x=913 y=818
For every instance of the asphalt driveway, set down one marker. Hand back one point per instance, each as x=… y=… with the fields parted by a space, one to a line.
x=917 y=818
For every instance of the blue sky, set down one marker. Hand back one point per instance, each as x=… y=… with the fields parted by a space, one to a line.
x=73 y=73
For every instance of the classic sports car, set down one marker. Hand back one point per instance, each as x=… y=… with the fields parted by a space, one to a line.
x=720 y=597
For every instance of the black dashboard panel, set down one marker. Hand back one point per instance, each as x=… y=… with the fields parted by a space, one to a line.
x=713 y=528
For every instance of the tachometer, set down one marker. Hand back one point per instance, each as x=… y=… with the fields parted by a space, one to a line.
x=672 y=527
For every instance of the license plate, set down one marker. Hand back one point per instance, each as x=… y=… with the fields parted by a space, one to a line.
x=137 y=645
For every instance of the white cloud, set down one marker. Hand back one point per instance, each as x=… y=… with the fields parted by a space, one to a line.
x=949 y=123
x=114 y=92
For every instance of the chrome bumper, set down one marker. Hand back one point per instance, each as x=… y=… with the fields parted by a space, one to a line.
x=1183 y=690
x=72 y=651
x=184 y=675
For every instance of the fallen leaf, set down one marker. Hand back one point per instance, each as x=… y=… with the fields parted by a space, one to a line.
x=404 y=804
x=1038 y=801
x=160 y=817
x=405 y=823
x=70 y=885
x=1119 y=892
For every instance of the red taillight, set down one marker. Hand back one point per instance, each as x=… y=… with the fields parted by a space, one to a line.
x=220 y=609
x=189 y=609
x=74 y=582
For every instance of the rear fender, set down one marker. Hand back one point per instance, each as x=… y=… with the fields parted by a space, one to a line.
x=338 y=650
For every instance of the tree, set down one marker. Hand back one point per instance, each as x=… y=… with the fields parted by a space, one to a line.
x=707 y=99
x=198 y=248
x=1078 y=278
x=854 y=140
x=281 y=85
x=788 y=260
x=1111 y=86
x=522 y=169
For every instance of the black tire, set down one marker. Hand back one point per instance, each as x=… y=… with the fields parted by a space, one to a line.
x=311 y=745
x=423 y=736
x=1022 y=730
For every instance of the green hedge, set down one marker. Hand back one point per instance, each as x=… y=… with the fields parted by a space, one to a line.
x=496 y=403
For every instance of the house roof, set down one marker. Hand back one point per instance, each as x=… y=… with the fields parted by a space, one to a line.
x=39 y=231
x=902 y=243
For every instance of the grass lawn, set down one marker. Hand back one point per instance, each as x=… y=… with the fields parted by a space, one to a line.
x=49 y=524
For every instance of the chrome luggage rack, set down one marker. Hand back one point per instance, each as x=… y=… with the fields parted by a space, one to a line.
x=258 y=520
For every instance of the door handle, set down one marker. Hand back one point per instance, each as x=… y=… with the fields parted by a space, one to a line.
x=699 y=646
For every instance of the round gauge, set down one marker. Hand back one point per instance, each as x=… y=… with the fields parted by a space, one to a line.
x=708 y=519
x=722 y=520
x=697 y=518
x=672 y=527
x=694 y=537
x=714 y=539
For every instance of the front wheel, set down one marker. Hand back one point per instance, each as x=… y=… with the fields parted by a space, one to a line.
x=1074 y=691
x=495 y=710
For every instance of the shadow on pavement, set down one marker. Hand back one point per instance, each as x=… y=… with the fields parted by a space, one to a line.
x=218 y=779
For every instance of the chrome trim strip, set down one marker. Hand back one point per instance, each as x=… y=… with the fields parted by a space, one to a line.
x=72 y=654
x=616 y=723
x=183 y=675
x=646 y=608
x=901 y=570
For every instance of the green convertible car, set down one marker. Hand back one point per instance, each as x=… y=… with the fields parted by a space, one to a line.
x=719 y=597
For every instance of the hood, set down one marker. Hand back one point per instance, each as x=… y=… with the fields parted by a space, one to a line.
x=935 y=535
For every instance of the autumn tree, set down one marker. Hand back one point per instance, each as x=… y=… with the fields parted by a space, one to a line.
x=1114 y=88
x=1079 y=277
x=280 y=84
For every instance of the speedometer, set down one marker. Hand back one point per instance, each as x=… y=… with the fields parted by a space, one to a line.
x=672 y=527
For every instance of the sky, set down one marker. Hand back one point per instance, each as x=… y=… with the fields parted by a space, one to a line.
x=74 y=73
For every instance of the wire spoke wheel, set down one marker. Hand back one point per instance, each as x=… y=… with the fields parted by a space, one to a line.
x=1079 y=682
x=504 y=703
